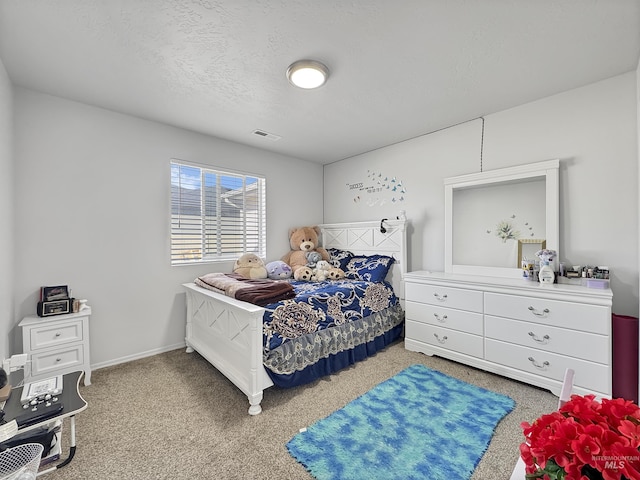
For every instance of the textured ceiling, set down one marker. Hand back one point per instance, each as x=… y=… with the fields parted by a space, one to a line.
x=399 y=69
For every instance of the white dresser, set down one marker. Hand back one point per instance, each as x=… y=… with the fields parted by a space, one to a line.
x=513 y=327
x=56 y=345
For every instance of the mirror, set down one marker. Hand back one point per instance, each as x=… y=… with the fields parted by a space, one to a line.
x=494 y=218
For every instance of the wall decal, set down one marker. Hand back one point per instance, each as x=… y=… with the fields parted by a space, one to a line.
x=508 y=230
x=378 y=189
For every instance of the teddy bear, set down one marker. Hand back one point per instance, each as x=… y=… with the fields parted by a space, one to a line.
x=313 y=258
x=321 y=271
x=302 y=241
x=278 y=270
x=335 y=273
x=249 y=265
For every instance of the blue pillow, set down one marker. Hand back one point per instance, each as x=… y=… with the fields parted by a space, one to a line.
x=339 y=258
x=372 y=268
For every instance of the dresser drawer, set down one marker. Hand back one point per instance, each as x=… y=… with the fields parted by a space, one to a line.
x=49 y=335
x=444 y=296
x=577 y=316
x=62 y=358
x=587 y=346
x=444 y=338
x=462 y=320
x=590 y=376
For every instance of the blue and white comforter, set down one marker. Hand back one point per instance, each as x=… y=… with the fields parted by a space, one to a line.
x=326 y=318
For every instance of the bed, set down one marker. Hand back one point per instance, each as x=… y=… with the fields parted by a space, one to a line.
x=238 y=340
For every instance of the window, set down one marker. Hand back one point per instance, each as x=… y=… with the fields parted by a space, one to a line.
x=215 y=215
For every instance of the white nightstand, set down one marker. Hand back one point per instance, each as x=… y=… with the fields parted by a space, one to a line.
x=56 y=345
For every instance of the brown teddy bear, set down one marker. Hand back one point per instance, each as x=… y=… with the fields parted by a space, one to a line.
x=335 y=274
x=303 y=240
x=250 y=265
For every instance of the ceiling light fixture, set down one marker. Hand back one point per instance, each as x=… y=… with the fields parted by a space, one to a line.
x=307 y=74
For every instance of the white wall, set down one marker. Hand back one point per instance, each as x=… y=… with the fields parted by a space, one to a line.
x=92 y=209
x=420 y=165
x=593 y=130
x=6 y=210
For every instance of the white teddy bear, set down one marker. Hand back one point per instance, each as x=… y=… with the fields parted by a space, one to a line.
x=321 y=271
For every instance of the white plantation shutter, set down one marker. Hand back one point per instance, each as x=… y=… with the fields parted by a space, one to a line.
x=215 y=215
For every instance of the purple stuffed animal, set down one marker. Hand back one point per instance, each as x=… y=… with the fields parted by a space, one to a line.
x=278 y=270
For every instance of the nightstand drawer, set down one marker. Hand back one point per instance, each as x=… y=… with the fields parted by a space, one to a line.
x=444 y=296
x=445 y=338
x=587 y=346
x=577 y=316
x=63 y=358
x=462 y=320
x=49 y=335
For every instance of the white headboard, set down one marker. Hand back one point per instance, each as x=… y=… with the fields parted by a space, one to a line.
x=366 y=238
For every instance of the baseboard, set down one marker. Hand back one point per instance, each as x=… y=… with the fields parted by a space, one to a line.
x=138 y=356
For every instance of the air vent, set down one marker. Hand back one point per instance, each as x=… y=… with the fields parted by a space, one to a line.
x=267 y=135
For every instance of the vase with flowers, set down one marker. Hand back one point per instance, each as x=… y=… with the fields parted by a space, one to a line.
x=585 y=439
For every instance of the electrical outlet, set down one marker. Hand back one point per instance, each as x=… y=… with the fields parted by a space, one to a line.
x=19 y=360
x=14 y=363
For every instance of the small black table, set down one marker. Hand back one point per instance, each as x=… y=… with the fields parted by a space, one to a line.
x=72 y=403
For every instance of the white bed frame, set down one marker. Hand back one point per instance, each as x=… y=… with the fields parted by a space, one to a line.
x=228 y=332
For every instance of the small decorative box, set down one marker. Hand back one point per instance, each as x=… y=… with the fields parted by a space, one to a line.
x=598 y=282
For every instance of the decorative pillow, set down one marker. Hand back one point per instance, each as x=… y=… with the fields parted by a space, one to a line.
x=339 y=258
x=372 y=268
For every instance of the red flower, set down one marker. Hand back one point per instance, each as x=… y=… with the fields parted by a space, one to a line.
x=604 y=435
x=525 y=453
x=631 y=431
x=585 y=448
x=618 y=409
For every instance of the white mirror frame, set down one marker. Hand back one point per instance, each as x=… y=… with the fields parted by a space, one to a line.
x=548 y=169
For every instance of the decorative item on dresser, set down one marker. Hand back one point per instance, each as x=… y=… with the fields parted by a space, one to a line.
x=518 y=329
x=56 y=345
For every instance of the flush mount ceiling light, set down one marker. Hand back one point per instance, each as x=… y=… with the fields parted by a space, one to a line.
x=307 y=74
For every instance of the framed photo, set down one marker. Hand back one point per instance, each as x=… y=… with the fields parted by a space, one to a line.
x=53 y=294
x=57 y=307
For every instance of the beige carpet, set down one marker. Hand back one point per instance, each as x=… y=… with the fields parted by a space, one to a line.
x=174 y=416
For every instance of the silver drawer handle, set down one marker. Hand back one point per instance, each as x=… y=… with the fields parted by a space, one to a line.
x=440 y=340
x=58 y=359
x=544 y=313
x=544 y=365
x=544 y=340
x=441 y=319
x=442 y=298
x=57 y=334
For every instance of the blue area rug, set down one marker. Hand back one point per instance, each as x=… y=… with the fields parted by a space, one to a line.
x=419 y=424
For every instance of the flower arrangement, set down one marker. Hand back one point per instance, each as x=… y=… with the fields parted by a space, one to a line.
x=583 y=440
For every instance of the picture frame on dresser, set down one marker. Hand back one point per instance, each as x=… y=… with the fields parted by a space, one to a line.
x=50 y=294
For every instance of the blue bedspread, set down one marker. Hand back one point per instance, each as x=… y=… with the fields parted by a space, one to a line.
x=326 y=319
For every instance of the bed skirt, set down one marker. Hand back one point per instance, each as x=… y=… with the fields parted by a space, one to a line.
x=334 y=361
